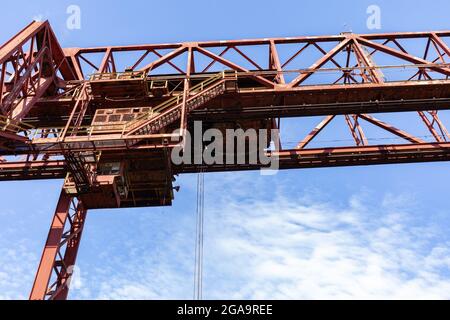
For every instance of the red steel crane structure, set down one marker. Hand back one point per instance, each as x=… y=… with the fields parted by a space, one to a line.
x=103 y=119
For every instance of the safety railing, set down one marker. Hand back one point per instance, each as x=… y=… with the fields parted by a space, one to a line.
x=57 y=132
x=119 y=75
x=174 y=101
x=12 y=126
x=90 y=130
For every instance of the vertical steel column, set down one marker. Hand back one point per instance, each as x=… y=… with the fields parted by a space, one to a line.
x=60 y=252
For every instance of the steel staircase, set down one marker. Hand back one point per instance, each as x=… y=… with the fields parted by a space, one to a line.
x=171 y=110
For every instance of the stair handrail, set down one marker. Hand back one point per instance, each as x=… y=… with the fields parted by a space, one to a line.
x=174 y=101
x=9 y=125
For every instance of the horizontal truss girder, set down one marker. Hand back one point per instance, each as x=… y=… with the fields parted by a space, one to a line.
x=295 y=158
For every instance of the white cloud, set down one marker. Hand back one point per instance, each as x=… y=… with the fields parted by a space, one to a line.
x=283 y=248
x=257 y=246
x=294 y=251
x=16 y=262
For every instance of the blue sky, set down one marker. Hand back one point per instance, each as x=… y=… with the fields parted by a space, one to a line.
x=362 y=232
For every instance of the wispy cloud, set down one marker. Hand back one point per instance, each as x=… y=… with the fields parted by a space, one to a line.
x=286 y=248
x=16 y=263
x=262 y=241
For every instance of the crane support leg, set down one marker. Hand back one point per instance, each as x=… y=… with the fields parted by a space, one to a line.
x=60 y=252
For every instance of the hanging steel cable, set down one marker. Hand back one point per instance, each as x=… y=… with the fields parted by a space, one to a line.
x=200 y=219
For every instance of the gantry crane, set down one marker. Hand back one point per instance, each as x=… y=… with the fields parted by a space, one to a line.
x=104 y=119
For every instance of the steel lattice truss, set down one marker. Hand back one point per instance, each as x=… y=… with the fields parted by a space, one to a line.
x=104 y=118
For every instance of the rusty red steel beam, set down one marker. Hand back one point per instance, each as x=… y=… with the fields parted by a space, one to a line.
x=312 y=157
x=401 y=55
x=89 y=63
x=29 y=32
x=179 y=48
x=319 y=63
x=436 y=39
x=14 y=137
x=59 y=56
x=340 y=157
x=266 y=41
x=391 y=128
x=294 y=55
x=364 y=150
x=60 y=251
x=25 y=105
x=441 y=136
x=171 y=55
x=234 y=66
x=11 y=46
x=324 y=52
x=315 y=131
x=141 y=58
x=356 y=129
x=246 y=57
x=275 y=63
x=105 y=62
x=445 y=133
x=74 y=62
x=430 y=126
x=71 y=241
x=173 y=65
x=23 y=165
x=438 y=51
x=404 y=35
x=40 y=287
x=214 y=61
x=34 y=70
x=190 y=66
x=31 y=170
x=23 y=82
x=367 y=63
